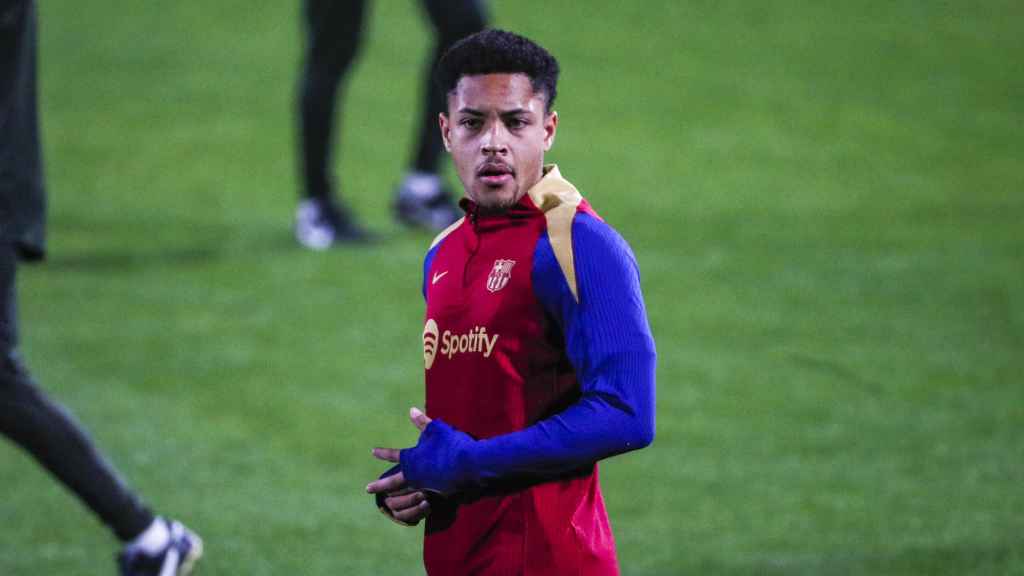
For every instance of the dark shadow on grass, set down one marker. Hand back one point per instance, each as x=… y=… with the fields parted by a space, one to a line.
x=135 y=258
x=112 y=261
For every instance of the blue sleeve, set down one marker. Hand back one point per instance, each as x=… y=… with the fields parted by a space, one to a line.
x=608 y=342
x=428 y=261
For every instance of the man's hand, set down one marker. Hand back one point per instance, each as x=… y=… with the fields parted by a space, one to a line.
x=405 y=504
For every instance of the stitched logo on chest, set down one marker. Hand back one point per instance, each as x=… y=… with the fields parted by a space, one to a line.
x=500 y=274
x=476 y=341
x=429 y=343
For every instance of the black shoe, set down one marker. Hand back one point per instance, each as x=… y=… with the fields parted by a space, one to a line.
x=322 y=223
x=435 y=212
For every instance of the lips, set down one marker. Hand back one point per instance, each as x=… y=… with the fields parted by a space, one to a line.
x=495 y=173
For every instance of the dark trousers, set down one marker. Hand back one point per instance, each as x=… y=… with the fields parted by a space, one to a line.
x=49 y=433
x=22 y=189
x=333 y=31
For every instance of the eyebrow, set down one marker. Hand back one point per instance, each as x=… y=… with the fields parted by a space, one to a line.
x=475 y=112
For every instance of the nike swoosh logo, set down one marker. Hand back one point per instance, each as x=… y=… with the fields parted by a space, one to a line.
x=438 y=276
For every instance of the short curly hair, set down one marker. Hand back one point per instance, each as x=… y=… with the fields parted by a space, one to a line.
x=494 y=51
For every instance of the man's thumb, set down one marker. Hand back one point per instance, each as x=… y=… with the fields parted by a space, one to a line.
x=419 y=419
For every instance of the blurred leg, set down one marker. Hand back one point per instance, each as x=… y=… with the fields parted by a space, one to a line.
x=452 y=20
x=50 y=434
x=332 y=30
x=22 y=196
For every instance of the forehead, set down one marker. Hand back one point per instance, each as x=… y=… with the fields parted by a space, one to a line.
x=495 y=91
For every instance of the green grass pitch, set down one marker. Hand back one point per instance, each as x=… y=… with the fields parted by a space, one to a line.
x=826 y=201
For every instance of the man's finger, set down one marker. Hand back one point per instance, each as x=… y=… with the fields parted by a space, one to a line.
x=387 y=484
x=389 y=454
x=397 y=503
x=419 y=419
x=415 y=514
x=402 y=491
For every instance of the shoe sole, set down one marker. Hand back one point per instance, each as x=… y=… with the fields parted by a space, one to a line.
x=194 y=554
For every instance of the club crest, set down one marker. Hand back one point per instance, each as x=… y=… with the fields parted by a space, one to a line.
x=500 y=274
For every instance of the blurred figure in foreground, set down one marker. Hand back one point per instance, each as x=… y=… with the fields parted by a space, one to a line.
x=150 y=544
x=333 y=32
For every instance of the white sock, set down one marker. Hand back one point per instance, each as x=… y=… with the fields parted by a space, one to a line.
x=154 y=538
x=421 y=185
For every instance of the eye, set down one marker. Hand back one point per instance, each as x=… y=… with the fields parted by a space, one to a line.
x=516 y=123
x=471 y=123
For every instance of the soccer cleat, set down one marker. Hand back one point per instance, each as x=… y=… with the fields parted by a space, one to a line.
x=177 y=558
x=435 y=211
x=321 y=223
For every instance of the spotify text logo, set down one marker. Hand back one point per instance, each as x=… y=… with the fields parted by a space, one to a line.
x=476 y=341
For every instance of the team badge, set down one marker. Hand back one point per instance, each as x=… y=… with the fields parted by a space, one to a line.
x=500 y=274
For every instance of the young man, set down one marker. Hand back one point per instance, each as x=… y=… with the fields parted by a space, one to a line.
x=539 y=359
x=151 y=545
x=333 y=32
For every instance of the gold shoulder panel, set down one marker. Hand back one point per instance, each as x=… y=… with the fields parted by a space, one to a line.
x=558 y=200
x=444 y=233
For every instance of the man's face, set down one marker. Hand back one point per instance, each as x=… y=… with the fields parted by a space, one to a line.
x=497 y=131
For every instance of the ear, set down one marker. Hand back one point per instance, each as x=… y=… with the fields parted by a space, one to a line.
x=550 y=127
x=442 y=120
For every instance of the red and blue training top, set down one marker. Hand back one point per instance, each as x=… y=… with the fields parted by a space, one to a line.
x=539 y=362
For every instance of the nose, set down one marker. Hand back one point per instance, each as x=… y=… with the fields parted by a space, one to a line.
x=494 y=140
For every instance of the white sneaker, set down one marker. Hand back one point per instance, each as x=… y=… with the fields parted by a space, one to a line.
x=320 y=224
x=177 y=558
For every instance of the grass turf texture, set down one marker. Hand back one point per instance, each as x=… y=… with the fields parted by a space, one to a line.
x=825 y=202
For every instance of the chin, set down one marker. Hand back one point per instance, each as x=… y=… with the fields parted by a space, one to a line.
x=496 y=200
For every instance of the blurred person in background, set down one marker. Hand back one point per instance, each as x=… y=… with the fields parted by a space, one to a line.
x=333 y=32
x=151 y=545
